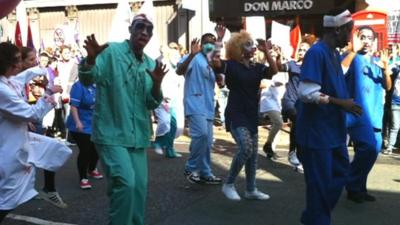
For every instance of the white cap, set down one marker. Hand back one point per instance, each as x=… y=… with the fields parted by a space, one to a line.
x=142 y=16
x=338 y=20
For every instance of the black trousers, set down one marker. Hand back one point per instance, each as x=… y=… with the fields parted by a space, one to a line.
x=87 y=157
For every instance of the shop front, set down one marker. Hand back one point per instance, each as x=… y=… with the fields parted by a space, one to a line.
x=307 y=13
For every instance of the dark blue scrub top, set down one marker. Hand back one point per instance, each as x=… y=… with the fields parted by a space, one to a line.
x=322 y=126
x=243 y=100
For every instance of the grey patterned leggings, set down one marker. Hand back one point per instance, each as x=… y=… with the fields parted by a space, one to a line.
x=245 y=156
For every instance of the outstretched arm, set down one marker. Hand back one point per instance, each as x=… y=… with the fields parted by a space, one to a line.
x=194 y=49
x=86 y=76
x=265 y=47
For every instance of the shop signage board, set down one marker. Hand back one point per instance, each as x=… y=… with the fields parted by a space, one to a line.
x=237 y=8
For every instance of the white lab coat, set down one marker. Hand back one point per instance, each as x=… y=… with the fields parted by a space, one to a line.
x=16 y=166
x=172 y=88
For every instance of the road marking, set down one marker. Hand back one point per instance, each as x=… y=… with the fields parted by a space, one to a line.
x=35 y=220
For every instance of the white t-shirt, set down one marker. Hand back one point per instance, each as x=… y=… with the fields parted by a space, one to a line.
x=272 y=95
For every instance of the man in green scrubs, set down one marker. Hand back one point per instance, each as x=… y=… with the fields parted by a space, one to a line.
x=128 y=87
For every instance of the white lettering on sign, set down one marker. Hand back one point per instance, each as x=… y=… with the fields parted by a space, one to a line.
x=256 y=6
x=278 y=5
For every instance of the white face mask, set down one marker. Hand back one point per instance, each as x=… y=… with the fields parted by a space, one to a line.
x=249 y=46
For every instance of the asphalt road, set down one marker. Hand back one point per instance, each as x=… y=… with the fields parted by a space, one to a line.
x=173 y=201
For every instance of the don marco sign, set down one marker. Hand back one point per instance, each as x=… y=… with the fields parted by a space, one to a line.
x=235 y=8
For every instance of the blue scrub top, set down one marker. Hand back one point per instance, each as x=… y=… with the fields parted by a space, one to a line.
x=364 y=83
x=243 y=100
x=82 y=97
x=199 y=87
x=290 y=97
x=322 y=126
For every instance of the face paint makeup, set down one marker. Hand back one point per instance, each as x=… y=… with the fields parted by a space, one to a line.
x=249 y=46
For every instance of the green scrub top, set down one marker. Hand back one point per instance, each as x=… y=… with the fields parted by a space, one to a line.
x=123 y=97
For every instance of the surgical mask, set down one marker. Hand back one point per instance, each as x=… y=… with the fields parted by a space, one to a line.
x=208 y=47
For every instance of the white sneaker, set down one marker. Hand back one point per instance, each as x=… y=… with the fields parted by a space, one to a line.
x=256 y=195
x=230 y=192
x=293 y=158
x=299 y=168
x=159 y=151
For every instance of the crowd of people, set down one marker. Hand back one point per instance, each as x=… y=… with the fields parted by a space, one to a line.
x=331 y=92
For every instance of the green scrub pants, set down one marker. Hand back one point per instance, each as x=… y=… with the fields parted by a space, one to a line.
x=126 y=172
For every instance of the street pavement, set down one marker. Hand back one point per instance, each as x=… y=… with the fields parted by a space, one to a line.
x=174 y=201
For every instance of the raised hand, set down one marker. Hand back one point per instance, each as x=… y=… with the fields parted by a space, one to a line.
x=93 y=48
x=158 y=73
x=384 y=59
x=264 y=46
x=195 y=46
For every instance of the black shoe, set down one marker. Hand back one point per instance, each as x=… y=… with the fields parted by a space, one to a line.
x=369 y=198
x=269 y=152
x=211 y=180
x=192 y=177
x=273 y=156
x=356 y=197
x=267 y=148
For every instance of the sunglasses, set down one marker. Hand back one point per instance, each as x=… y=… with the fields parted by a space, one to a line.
x=143 y=26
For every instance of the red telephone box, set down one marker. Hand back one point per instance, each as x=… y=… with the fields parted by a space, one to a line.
x=377 y=20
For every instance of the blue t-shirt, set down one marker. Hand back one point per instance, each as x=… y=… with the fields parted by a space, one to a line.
x=243 y=100
x=199 y=87
x=322 y=126
x=82 y=97
x=364 y=82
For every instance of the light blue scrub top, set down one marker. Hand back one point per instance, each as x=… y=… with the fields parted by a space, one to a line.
x=199 y=87
x=364 y=82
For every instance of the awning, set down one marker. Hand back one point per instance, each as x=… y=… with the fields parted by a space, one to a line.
x=239 y=8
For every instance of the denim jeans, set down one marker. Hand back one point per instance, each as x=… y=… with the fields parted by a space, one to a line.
x=222 y=102
x=245 y=156
x=394 y=127
x=201 y=133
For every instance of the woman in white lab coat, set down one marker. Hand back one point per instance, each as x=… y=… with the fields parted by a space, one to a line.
x=16 y=152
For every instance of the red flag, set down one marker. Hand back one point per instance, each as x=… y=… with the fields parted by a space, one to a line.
x=295 y=39
x=29 y=41
x=18 y=37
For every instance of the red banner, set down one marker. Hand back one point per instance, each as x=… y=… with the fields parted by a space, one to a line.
x=18 y=37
